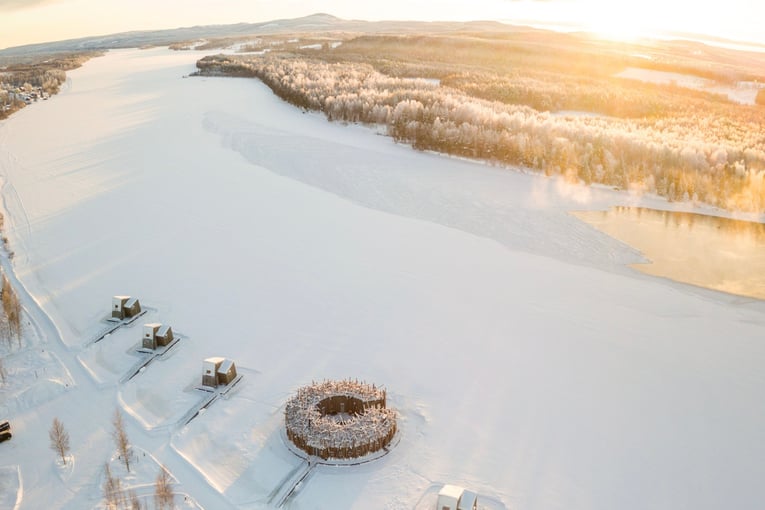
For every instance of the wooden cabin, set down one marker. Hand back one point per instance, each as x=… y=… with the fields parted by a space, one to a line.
x=210 y=371
x=164 y=335
x=226 y=372
x=149 y=339
x=156 y=335
x=125 y=307
x=218 y=372
x=452 y=497
x=118 y=306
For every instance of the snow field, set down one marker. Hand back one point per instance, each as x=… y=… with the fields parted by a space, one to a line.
x=34 y=374
x=11 y=490
x=108 y=360
x=236 y=443
x=141 y=478
x=742 y=92
x=152 y=401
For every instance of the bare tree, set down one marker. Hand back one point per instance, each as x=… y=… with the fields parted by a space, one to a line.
x=135 y=504
x=3 y=374
x=121 y=439
x=59 y=439
x=5 y=326
x=163 y=492
x=113 y=493
x=12 y=309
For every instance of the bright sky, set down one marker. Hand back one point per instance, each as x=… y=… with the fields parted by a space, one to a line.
x=31 y=21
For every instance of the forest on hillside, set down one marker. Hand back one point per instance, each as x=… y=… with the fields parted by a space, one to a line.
x=22 y=79
x=467 y=98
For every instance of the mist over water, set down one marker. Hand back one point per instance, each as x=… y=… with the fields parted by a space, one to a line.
x=717 y=253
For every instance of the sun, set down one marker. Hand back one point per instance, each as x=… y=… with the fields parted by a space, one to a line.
x=629 y=21
x=618 y=24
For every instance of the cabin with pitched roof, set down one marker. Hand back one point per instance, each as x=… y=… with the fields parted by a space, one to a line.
x=218 y=372
x=125 y=307
x=452 y=497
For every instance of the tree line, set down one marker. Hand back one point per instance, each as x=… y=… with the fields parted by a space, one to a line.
x=45 y=73
x=10 y=323
x=703 y=156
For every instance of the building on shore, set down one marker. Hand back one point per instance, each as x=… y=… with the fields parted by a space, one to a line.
x=452 y=497
x=218 y=372
x=156 y=335
x=125 y=307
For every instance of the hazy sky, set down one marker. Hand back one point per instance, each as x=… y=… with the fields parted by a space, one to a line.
x=30 y=21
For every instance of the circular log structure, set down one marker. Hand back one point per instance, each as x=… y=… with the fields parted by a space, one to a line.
x=339 y=419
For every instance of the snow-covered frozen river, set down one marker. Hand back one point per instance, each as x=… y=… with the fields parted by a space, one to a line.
x=526 y=360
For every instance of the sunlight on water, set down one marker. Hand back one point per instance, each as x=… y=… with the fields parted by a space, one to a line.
x=716 y=253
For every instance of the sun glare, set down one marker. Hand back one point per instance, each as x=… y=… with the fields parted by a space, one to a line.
x=630 y=21
x=619 y=25
x=621 y=30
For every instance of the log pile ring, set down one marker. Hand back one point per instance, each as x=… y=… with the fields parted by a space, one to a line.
x=339 y=419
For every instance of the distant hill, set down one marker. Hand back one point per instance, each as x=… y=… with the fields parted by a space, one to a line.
x=314 y=23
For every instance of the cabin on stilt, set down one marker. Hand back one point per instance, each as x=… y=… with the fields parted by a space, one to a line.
x=156 y=335
x=125 y=307
x=218 y=372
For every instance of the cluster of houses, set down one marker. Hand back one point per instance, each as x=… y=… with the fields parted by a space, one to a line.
x=216 y=371
x=10 y=94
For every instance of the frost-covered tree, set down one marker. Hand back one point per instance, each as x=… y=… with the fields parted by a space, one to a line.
x=113 y=493
x=135 y=503
x=120 y=437
x=163 y=491
x=699 y=148
x=59 y=439
x=12 y=310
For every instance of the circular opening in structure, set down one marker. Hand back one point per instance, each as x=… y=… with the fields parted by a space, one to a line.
x=340 y=407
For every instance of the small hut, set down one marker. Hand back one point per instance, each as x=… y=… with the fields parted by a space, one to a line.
x=226 y=372
x=210 y=370
x=156 y=335
x=149 y=340
x=218 y=372
x=164 y=335
x=452 y=497
x=125 y=307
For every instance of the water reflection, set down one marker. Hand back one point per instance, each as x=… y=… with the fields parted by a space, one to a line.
x=717 y=253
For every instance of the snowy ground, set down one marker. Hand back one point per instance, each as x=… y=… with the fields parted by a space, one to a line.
x=10 y=487
x=744 y=92
x=527 y=362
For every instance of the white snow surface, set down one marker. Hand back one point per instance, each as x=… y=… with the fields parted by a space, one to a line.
x=526 y=362
x=743 y=92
